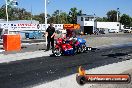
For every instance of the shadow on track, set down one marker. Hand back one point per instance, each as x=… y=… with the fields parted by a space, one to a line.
x=116 y=55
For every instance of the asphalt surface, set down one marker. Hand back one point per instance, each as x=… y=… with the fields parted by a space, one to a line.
x=26 y=48
x=26 y=73
x=30 y=47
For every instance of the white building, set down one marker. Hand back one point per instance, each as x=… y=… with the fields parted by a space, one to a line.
x=89 y=25
x=109 y=26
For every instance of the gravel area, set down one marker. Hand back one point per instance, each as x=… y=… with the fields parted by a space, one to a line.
x=102 y=41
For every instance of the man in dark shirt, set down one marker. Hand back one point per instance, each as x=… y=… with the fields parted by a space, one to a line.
x=50 y=36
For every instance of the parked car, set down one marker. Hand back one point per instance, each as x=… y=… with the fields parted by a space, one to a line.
x=113 y=31
x=102 y=31
x=127 y=31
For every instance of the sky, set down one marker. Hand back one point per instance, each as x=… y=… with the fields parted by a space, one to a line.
x=89 y=7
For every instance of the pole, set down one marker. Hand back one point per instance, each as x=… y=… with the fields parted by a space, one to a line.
x=94 y=28
x=118 y=18
x=46 y=19
x=7 y=15
x=59 y=16
x=117 y=14
x=6 y=11
x=31 y=15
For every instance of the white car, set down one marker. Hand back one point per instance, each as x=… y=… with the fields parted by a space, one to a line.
x=113 y=31
x=127 y=30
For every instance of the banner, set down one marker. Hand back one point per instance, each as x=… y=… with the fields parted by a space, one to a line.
x=71 y=26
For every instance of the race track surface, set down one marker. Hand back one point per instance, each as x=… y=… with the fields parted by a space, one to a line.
x=34 y=71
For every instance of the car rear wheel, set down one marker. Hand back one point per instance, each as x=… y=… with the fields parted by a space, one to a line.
x=83 y=48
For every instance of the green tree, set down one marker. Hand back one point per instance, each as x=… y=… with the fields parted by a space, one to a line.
x=112 y=15
x=14 y=13
x=63 y=18
x=52 y=19
x=79 y=13
x=104 y=19
x=131 y=22
x=2 y=12
x=23 y=14
x=73 y=15
x=99 y=19
x=41 y=17
x=56 y=16
x=126 y=20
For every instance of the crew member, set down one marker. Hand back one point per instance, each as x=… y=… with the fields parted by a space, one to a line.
x=50 y=36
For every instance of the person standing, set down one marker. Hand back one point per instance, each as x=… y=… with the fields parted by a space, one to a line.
x=50 y=36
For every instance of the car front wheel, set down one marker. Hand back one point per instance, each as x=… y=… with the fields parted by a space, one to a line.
x=57 y=52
